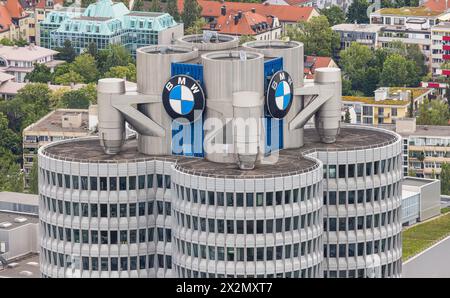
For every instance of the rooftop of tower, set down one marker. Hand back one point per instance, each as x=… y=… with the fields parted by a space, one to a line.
x=290 y=162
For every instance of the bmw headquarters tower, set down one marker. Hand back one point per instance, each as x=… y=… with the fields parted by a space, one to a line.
x=223 y=177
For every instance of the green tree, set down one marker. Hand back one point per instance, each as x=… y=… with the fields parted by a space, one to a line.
x=398 y=71
x=33 y=178
x=75 y=99
x=113 y=55
x=172 y=9
x=196 y=28
x=40 y=74
x=334 y=14
x=6 y=42
x=191 y=13
x=317 y=36
x=11 y=176
x=445 y=179
x=69 y=78
x=67 y=52
x=8 y=138
x=138 y=5
x=347 y=118
x=86 y=66
x=434 y=112
x=245 y=38
x=357 y=11
x=155 y=6
x=128 y=72
x=92 y=49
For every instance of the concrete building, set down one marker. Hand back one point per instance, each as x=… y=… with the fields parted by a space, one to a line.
x=425 y=148
x=57 y=125
x=287 y=201
x=18 y=61
x=410 y=25
x=105 y=23
x=440 y=48
x=18 y=226
x=388 y=104
x=365 y=34
x=421 y=199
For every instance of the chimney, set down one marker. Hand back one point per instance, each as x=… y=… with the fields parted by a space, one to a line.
x=223 y=10
x=254 y=10
x=236 y=19
x=240 y=14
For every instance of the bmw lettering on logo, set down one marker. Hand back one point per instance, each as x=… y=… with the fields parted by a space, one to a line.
x=183 y=98
x=279 y=94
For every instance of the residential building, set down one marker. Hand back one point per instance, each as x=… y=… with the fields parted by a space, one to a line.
x=365 y=34
x=299 y=3
x=343 y=4
x=440 y=48
x=18 y=61
x=426 y=148
x=388 y=104
x=410 y=25
x=287 y=15
x=313 y=62
x=105 y=23
x=15 y=22
x=59 y=124
x=248 y=23
x=421 y=199
x=339 y=186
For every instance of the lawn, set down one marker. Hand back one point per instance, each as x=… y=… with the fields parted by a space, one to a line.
x=445 y=210
x=421 y=236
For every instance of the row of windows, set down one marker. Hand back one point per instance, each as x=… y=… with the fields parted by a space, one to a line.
x=249 y=199
x=106 y=183
x=106 y=210
x=387 y=270
x=107 y=263
x=360 y=196
x=360 y=222
x=259 y=226
x=362 y=248
x=360 y=169
x=106 y=237
x=248 y=254
x=303 y=273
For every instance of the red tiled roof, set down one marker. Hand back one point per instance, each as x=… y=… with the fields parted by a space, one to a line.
x=14 y=8
x=41 y=3
x=225 y=24
x=5 y=19
x=317 y=62
x=437 y=5
x=284 y=13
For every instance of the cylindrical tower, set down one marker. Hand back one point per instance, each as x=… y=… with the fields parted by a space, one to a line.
x=219 y=42
x=292 y=54
x=104 y=215
x=225 y=73
x=257 y=223
x=153 y=71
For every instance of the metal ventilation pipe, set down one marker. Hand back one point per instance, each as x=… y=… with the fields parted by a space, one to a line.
x=247 y=110
x=111 y=123
x=328 y=116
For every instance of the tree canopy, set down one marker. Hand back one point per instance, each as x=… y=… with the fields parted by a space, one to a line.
x=434 y=112
x=445 y=178
x=357 y=12
x=191 y=13
x=40 y=74
x=334 y=14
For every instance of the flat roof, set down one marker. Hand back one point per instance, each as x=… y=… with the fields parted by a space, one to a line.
x=19 y=198
x=371 y=28
x=52 y=122
x=11 y=217
x=427 y=131
x=290 y=160
x=27 y=267
x=415 y=181
x=421 y=11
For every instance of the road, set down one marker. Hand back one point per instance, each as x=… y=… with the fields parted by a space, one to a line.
x=433 y=262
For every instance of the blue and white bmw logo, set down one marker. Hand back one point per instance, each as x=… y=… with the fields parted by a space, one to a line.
x=279 y=94
x=183 y=98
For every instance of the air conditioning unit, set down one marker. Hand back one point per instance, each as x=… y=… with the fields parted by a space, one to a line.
x=5 y=224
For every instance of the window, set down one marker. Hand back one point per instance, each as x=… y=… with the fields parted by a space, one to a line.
x=360 y=169
x=230 y=200
x=239 y=199
x=331 y=171
x=123 y=183
x=342 y=171
x=249 y=199
x=112 y=183
x=93 y=181
x=351 y=170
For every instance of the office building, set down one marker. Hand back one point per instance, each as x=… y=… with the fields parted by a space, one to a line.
x=264 y=197
x=421 y=199
x=104 y=23
x=388 y=104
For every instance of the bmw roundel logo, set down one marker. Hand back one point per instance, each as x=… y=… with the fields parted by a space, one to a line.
x=183 y=98
x=279 y=94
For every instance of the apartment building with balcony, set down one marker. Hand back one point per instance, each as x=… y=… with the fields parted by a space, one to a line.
x=410 y=25
x=388 y=104
x=440 y=48
x=365 y=34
